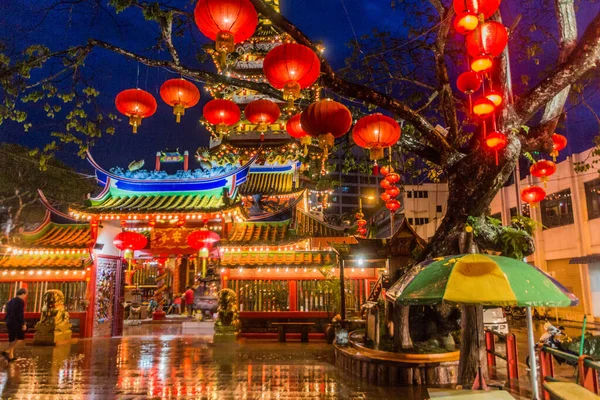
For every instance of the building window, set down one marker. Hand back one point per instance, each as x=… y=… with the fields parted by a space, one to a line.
x=557 y=209
x=410 y=221
x=592 y=196
x=438 y=209
x=524 y=211
x=409 y=194
x=499 y=215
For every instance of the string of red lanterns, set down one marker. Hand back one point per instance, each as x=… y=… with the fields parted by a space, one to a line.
x=376 y=132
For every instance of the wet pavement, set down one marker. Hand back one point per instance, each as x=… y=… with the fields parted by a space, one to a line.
x=167 y=367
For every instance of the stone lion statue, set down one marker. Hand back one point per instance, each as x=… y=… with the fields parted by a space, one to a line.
x=227 y=311
x=54 y=325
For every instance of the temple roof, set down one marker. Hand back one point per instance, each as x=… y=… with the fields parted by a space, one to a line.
x=42 y=260
x=57 y=236
x=269 y=183
x=281 y=258
x=259 y=233
x=309 y=225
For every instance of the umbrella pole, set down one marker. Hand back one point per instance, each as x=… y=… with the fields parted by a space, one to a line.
x=532 y=357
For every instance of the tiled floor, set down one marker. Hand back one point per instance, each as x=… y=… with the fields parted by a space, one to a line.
x=163 y=366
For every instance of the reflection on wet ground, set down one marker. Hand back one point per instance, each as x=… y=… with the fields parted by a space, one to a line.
x=165 y=366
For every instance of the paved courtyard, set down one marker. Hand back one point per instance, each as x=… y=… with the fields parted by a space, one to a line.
x=164 y=367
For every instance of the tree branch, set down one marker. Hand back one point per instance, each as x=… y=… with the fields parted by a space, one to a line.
x=166 y=31
x=584 y=58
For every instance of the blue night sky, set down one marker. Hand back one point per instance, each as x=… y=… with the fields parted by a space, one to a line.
x=23 y=23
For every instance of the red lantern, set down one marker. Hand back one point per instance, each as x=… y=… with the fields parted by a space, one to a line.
x=386 y=170
x=128 y=240
x=294 y=129
x=123 y=223
x=180 y=223
x=532 y=195
x=179 y=94
x=359 y=215
x=222 y=114
x=263 y=113
x=392 y=191
x=376 y=132
x=392 y=177
x=385 y=183
x=152 y=223
x=361 y=223
x=465 y=22
x=495 y=97
x=488 y=39
x=543 y=169
x=559 y=142
x=393 y=205
x=226 y=22
x=496 y=141
x=468 y=82
x=136 y=104
x=385 y=197
x=482 y=64
x=362 y=231
x=326 y=120
x=483 y=108
x=291 y=67
x=485 y=7
x=202 y=239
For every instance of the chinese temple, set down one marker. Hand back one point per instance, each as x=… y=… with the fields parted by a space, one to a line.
x=273 y=249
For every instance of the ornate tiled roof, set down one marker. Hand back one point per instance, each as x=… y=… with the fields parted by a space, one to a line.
x=268 y=183
x=259 y=232
x=308 y=225
x=57 y=236
x=56 y=260
x=300 y=258
x=154 y=202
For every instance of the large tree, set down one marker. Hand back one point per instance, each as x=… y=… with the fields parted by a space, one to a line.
x=410 y=78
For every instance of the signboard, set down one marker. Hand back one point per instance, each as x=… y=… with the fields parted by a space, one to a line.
x=169 y=156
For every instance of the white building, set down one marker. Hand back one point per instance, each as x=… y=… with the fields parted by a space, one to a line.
x=424 y=206
x=568 y=246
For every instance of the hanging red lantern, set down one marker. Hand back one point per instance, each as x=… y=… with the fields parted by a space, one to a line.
x=123 y=223
x=375 y=133
x=179 y=94
x=543 y=169
x=468 y=82
x=483 y=108
x=385 y=197
x=202 y=239
x=152 y=223
x=485 y=7
x=361 y=223
x=137 y=104
x=393 y=205
x=294 y=129
x=226 y=22
x=262 y=113
x=392 y=177
x=495 y=97
x=488 y=39
x=129 y=240
x=559 y=142
x=326 y=120
x=392 y=191
x=482 y=64
x=465 y=22
x=496 y=141
x=221 y=113
x=180 y=223
x=362 y=231
x=385 y=183
x=386 y=170
x=359 y=215
x=532 y=195
x=291 y=67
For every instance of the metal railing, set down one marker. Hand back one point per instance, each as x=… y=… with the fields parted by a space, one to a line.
x=587 y=368
x=511 y=356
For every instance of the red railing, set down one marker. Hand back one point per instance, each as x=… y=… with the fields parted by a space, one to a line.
x=587 y=368
x=511 y=356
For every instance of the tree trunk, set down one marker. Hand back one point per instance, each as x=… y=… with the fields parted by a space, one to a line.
x=402 y=339
x=472 y=346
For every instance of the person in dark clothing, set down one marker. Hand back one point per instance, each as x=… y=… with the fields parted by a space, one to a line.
x=15 y=322
x=189 y=300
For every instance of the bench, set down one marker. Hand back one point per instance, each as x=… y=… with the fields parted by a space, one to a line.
x=282 y=328
x=568 y=391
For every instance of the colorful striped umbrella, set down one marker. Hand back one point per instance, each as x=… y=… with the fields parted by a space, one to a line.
x=480 y=279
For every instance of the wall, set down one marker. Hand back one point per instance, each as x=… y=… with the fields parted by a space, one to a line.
x=414 y=208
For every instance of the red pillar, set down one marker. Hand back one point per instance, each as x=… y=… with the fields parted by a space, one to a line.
x=186 y=160
x=157 y=164
x=292 y=289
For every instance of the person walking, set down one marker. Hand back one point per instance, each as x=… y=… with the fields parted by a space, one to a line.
x=189 y=301
x=15 y=322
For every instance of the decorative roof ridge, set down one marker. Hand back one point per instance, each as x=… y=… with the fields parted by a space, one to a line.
x=116 y=177
x=52 y=210
x=309 y=215
x=292 y=204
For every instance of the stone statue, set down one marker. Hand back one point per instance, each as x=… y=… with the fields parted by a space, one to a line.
x=227 y=324
x=54 y=326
